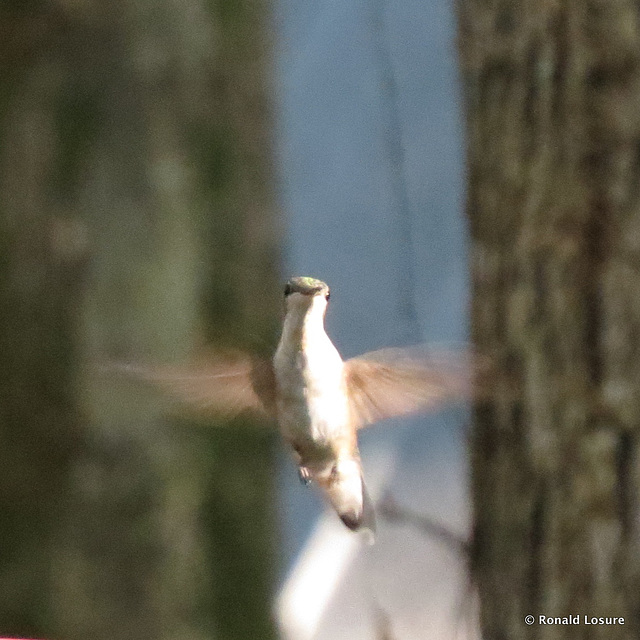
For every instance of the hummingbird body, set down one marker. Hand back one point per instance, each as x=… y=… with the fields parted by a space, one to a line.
x=312 y=406
x=318 y=400
x=311 y=395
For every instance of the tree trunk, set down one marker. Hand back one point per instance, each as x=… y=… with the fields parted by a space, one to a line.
x=136 y=217
x=552 y=94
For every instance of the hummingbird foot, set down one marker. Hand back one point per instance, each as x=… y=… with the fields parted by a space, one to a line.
x=304 y=475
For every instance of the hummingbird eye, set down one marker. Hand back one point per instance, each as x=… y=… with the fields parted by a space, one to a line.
x=327 y=296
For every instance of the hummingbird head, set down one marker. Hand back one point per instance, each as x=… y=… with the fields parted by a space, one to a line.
x=303 y=294
x=306 y=286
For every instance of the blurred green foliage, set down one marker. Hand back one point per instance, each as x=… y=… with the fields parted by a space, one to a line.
x=136 y=222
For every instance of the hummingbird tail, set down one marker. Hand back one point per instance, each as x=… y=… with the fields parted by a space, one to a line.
x=362 y=519
x=348 y=495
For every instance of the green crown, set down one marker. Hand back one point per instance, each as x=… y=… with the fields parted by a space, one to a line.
x=305 y=285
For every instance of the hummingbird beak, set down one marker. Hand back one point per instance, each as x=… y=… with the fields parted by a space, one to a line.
x=298 y=303
x=348 y=495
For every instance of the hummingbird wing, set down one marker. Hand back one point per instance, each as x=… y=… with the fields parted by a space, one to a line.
x=220 y=385
x=395 y=382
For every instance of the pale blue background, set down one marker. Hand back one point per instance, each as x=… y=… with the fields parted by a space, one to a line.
x=371 y=176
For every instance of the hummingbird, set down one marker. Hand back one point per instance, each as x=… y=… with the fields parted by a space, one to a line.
x=319 y=400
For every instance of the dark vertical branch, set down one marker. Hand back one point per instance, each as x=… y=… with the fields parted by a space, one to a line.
x=130 y=135
x=553 y=131
x=392 y=130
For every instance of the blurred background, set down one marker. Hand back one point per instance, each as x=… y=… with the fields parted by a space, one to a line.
x=164 y=166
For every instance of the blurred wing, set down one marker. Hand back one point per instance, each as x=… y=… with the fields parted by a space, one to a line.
x=395 y=382
x=221 y=386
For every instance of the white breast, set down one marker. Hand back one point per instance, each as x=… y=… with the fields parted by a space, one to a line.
x=311 y=400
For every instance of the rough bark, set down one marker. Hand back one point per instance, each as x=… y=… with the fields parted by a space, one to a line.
x=552 y=93
x=135 y=198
